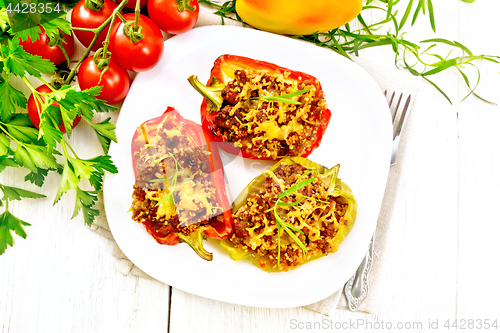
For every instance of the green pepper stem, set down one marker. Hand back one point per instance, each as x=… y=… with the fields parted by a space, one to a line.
x=211 y=93
x=195 y=241
x=332 y=172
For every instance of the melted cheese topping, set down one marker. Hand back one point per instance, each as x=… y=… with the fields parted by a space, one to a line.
x=273 y=123
x=175 y=175
x=319 y=216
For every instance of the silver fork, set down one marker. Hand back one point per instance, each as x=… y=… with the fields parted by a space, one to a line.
x=357 y=288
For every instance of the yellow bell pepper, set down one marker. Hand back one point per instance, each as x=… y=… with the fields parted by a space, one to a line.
x=264 y=247
x=297 y=17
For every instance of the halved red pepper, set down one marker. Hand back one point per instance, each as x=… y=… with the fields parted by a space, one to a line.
x=226 y=72
x=147 y=139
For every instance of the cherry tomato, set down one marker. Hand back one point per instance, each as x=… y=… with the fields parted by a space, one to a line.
x=174 y=16
x=115 y=82
x=83 y=17
x=54 y=54
x=34 y=114
x=131 y=3
x=142 y=55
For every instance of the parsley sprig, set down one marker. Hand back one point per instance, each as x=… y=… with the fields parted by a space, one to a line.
x=8 y=222
x=46 y=149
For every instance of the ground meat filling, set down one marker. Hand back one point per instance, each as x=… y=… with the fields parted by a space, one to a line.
x=319 y=216
x=269 y=128
x=173 y=190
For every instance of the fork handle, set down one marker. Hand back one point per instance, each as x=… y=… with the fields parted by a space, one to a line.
x=395 y=145
x=357 y=288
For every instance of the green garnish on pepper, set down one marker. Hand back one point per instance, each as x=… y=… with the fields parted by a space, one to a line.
x=294 y=212
x=263 y=110
x=179 y=192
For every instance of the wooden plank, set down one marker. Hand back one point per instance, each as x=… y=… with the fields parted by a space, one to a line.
x=479 y=227
x=64 y=277
x=191 y=313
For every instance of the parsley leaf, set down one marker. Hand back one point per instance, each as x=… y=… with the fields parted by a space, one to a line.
x=50 y=133
x=9 y=223
x=54 y=26
x=7 y=161
x=84 y=101
x=105 y=133
x=38 y=177
x=19 y=62
x=34 y=157
x=68 y=181
x=14 y=193
x=4 y=145
x=9 y=98
x=33 y=33
x=76 y=169
x=20 y=127
x=84 y=202
x=4 y=20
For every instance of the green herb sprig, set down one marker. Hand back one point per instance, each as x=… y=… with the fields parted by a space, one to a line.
x=47 y=148
x=412 y=56
x=286 y=98
x=9 y=222
x=283 y=224
x=227 y=10
x=172 y=185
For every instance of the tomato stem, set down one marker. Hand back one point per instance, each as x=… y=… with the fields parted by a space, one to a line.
x=134 y=33
x=106 y=41
x=97 y=32
x=95 y=5
x=101 y=58
x=84 y=29
x=64 y=52
x=183 y=5
x=57 y=80
x=137 y=11
x=120 y=16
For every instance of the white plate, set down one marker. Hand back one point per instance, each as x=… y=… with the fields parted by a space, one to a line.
x=358 y=137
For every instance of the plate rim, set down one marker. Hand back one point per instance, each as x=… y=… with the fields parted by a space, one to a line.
x=220 y=31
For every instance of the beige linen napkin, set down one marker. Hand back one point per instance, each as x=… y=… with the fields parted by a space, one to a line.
x=208 y=18
x=388 y=78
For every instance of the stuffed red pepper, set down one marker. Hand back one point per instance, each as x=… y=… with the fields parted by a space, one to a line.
x=265 y=110
x=179 y=192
